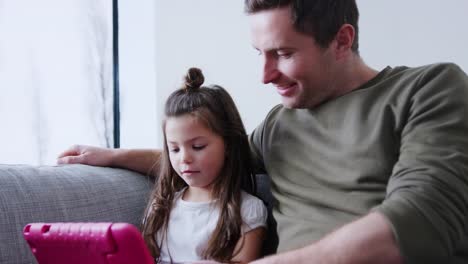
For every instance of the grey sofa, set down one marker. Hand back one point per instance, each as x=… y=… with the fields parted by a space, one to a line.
x=75 y=193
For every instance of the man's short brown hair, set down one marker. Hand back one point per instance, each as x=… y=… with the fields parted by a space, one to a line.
x=321 y=19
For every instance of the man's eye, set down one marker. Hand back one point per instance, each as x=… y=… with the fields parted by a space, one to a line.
x=198 y=147
x=284 y=54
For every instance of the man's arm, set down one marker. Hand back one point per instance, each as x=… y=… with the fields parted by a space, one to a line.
x=145 y=161
x=367 y=240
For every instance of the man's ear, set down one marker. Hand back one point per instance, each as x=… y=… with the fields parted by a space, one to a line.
x=344 y=40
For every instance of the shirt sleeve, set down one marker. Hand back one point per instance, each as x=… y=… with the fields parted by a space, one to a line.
x=255 y=147
x=256 y=142
x=254 y=214
x=427 y=194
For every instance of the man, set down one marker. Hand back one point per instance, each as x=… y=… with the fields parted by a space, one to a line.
x=366 y=166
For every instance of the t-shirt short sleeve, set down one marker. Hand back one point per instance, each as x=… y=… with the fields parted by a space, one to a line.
x=254 y=213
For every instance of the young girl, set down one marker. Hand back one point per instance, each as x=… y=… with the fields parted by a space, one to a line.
x=198 y=210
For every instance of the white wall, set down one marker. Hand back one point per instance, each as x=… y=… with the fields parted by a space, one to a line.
x=170 y=36
x=415 y=32
x=138 y=93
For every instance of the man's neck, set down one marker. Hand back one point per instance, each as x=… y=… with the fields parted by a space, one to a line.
x=355 y=74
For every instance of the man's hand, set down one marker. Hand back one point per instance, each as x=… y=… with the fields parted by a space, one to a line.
x=89 y=155
x=287 y=257
x=205 y=262
x=144 y=161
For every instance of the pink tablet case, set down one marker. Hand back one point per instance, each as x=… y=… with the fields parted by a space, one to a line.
x=99 y=243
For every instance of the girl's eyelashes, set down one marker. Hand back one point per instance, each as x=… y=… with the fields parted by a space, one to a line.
x=174 y=150
x=194 y=147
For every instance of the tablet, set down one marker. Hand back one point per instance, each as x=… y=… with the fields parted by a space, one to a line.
x=99 y=243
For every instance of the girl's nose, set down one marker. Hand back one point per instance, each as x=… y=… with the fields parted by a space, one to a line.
x=186 y=157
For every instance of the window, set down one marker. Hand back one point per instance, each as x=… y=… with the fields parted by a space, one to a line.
x=56 y=77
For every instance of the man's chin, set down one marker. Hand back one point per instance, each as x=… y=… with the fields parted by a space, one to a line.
x=294 y=103
x=290 y=103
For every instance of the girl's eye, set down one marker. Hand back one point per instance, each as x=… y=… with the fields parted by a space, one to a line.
x=174 y=150
x=198 y=147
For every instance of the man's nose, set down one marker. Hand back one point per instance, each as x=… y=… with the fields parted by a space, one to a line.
x=270 y=70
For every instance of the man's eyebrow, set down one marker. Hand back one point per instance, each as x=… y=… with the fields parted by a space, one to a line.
x=275 y=49
x=285 y=48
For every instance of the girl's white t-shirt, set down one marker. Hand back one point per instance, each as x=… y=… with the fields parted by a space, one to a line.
x=192 y=223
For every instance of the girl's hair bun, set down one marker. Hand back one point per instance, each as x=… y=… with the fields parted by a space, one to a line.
x=193 y=79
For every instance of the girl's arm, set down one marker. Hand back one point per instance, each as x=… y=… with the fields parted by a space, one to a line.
x=250 y=245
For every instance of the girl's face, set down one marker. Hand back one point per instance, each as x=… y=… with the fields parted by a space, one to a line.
x=196 y=153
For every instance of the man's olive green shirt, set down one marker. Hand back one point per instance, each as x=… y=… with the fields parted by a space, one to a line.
x=397 y=145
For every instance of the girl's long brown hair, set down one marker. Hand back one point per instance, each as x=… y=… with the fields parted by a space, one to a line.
x=213 y=106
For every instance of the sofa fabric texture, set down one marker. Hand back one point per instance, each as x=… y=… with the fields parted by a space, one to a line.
x=70 y=193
